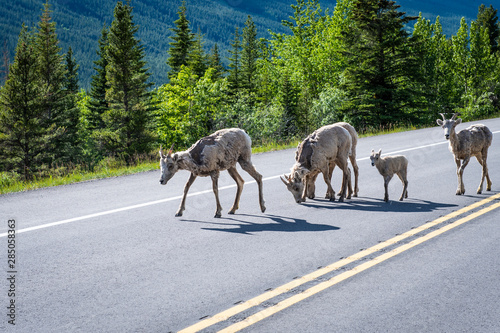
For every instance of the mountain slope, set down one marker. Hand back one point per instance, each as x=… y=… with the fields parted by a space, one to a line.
x=79 y=23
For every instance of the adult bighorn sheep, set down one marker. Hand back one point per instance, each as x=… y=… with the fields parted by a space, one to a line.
x=354 y=137
x=387 y=166
x=472 y=141
x=208 y=157
x=328 y=144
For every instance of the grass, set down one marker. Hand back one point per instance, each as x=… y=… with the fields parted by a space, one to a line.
x=10 y=183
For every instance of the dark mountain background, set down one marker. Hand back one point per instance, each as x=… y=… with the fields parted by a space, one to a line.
x=79 y=23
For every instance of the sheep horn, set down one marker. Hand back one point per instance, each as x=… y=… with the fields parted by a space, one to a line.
x=171 y=150
x=455 y=115
x=442 y=115
x=161 y=152
x=284 y=181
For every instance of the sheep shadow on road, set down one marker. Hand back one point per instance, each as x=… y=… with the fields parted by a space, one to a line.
x=277 y=224
x=378 y=205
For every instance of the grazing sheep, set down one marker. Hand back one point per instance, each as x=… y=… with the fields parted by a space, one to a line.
x=352 y=158
x=388 y=166
x=472 y=141
x=328 y=144
x=207 y=157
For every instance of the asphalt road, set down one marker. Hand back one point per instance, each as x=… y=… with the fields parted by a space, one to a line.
x=109 y=255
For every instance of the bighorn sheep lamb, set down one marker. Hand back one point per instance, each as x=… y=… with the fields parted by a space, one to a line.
x=207 y=157
x=352 y=158
x=388 y=166
x=472 y=141
x=328 y=144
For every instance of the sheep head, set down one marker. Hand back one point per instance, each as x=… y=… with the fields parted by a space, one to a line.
x=168 y=165
x=449 y=125
x=295 y=185
x=374 y=157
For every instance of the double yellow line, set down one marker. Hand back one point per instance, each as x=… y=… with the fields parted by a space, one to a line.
x=223 y=316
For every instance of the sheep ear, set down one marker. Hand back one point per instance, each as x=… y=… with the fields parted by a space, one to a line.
x=458 y=121
x=373 y=150
x=379 y=151
x=175 y=157
x=296 y=175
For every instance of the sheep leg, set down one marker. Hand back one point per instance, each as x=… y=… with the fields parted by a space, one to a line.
x=248 y=167
x=346 y=178
x=460 y=173
x=215 y=188
x=387 y=179
x=330 y=193
x=356 y=173
x=311 y=186
x=331 y=167
x=481 y=158
x=239 y=183
x=182 y=207
x=402 y=177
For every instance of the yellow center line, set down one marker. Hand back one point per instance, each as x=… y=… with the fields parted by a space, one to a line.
x=344 y=276
x=224 y=315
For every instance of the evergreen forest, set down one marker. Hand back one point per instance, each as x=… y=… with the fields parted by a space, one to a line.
x=366 y=62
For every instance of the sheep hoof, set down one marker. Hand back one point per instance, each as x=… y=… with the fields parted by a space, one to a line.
x=401 y=199
x=341 y=199
x=263 y=209
x=178 y=214
x=479 y=191
x=230 y=212
x=218 y=215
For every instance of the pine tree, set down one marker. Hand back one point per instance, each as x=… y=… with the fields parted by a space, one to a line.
x=487 y=18
x=71 y=120
x=71 y=77
x=215 y=62
x=198 y=60
x=24 y=136
x=129 y=119
x=98 y=103
x=234 y=77
x=182 y=44
x=380 y=67
x=249 y=56
x=51 y=72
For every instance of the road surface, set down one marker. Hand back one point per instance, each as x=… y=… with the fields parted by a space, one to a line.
x=109 y=255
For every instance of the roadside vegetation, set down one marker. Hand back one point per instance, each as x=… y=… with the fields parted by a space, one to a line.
x=365 y=62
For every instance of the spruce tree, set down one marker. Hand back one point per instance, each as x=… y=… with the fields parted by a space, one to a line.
x=215 y=62
x=98 y=103
x=71 y=120
x=51 y=72
x=380 y=67
x=181 y=46
x=128 y=121
x=249 y=56
x=234 y=77
x=24 y=137
x=71 y=77
x=487 y=18
x=198 y=60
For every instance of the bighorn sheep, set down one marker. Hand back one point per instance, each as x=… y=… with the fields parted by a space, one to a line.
x=388 y=166
x=207 y=157
x=472 y=141
x=328 y=144
x=352 y=158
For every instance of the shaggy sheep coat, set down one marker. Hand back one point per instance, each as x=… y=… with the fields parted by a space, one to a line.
x=352 y=157
x=472 y=141
x=210 y=155
x=328 y=144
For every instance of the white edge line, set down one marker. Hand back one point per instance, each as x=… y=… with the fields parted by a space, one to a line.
x=146 y=204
